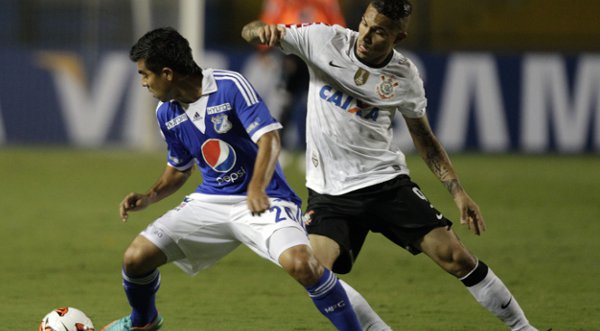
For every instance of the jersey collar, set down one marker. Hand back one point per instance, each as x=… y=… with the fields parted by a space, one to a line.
x=209 y=85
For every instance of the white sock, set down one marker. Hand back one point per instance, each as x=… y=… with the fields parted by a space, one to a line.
x=368 y=318
x=491 y=293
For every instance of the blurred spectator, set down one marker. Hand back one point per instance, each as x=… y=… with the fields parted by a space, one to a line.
x=286 y=97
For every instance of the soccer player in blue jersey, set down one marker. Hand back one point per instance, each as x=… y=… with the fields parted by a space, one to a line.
x=215 y=119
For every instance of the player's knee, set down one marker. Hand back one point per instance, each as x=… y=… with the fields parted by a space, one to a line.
x=133 y=260
x=301 y=264
x=137 y=260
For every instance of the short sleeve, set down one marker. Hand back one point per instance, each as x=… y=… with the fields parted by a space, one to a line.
x=305 y=40
x=251 y=110
x=178 y=156
x=414 y=102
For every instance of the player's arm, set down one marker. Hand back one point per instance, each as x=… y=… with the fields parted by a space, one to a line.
x=269 y=146
x=258 y=32
x=168 y=183
x=436 y=158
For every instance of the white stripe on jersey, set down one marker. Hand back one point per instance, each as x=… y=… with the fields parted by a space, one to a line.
x=242 y=84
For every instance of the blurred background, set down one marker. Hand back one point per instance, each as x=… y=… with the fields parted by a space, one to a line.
x=500 y=75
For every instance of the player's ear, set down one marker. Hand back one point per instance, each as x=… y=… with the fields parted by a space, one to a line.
x=167 y=73
x=400 y=36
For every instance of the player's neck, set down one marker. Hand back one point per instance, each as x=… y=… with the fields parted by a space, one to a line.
x=189 y=89
x=379 y=64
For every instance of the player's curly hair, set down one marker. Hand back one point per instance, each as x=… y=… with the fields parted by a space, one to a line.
x=393 y=9
x=165 y=47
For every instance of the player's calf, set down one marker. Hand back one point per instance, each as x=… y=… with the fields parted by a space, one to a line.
x=322 y=286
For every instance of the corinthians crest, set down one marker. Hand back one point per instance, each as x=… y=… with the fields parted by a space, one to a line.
x=385 y=88
x=221 y=123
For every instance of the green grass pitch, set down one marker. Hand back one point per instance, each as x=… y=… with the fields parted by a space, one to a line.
x=62 y=244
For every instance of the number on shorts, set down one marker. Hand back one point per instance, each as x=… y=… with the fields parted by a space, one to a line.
x=286 y=213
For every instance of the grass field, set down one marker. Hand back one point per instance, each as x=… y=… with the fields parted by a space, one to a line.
x=62 y=243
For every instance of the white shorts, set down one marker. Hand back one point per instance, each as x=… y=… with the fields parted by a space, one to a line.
x=205 y=228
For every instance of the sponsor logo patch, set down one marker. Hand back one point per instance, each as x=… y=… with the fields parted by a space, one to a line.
x=219 y=155
x=176 y=121
x=218 y=108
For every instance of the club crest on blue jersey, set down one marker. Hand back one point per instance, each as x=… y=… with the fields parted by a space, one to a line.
x=219 y=155
x=221 y=123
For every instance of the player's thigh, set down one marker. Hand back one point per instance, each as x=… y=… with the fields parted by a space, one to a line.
x=272 y=232
x=325 y=249
x=196 y=234
x=404 y=215
x=338 y=227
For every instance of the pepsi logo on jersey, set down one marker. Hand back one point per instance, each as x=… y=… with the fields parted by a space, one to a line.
x=232 y=177
x=219 y=155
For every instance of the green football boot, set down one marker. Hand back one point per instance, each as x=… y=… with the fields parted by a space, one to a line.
x=124 y=324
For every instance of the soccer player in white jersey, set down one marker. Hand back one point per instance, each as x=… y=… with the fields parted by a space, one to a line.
x=215 y=119
x=357 y=181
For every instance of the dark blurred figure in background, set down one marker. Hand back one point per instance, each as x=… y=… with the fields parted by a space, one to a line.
x=289 y=104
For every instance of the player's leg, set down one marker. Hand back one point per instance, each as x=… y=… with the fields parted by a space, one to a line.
x=141 y=280
x=336 y=243
x=443 y=247
x=165 y=241
x=409 y=220
x=322 y=285
x=327 y=251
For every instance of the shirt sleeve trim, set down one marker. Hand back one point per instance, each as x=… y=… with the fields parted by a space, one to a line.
x=271 y=127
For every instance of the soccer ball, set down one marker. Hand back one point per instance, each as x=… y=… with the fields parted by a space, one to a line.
x=66 y=319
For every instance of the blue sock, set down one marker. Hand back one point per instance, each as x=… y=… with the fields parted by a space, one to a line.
x=332 y=301
x=140 y=293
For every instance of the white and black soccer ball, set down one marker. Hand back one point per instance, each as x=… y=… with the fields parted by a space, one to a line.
x=66 y=319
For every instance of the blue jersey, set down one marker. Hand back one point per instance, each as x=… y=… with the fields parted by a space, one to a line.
x=219 y=132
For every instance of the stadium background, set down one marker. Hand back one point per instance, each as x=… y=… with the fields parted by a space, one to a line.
x=514 y=94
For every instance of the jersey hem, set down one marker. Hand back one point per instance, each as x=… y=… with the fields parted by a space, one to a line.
x=356 y=187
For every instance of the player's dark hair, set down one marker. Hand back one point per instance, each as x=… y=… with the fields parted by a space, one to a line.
x=165 y=47
x=393 y=9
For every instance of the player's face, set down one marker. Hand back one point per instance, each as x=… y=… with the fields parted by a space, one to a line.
x=377 y=36
x=157 y=84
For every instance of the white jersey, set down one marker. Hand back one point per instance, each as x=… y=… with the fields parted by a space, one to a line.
x=351 y=108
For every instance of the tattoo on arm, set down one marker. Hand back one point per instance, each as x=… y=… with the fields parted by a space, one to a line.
x=435 y=156
x=452 y=185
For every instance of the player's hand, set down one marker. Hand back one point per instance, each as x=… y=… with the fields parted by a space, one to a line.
x=270 y=34
x=132 y=202
x=469 y=213
x=258 y=202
